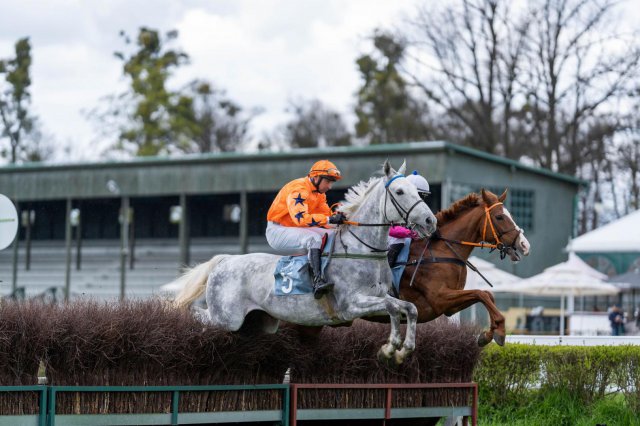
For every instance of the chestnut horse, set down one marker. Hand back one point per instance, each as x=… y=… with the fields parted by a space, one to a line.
x=436 y=271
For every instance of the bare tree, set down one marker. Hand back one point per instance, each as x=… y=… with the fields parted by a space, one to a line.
x=467 y=58
x=544 y=82
x=626 y=155
x=578 y=63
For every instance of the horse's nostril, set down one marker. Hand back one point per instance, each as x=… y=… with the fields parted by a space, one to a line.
x=429 y=221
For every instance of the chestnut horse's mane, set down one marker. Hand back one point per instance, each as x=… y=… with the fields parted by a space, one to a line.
x=467 y=203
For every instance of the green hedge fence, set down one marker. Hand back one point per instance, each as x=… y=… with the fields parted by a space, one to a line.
x=507 y=375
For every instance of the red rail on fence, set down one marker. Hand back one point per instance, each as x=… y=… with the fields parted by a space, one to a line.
x=389 y=388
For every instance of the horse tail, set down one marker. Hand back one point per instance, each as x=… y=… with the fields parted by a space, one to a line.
x=194 y=282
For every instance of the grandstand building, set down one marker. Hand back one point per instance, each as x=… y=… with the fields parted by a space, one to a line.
x=184 y=210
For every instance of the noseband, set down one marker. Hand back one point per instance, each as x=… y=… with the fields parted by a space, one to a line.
x=499 y=245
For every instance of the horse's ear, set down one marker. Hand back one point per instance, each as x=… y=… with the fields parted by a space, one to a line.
x=503 y=196
x=485 y=196
x=386 y=168
x=403 y=168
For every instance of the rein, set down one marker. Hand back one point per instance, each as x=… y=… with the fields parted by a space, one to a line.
x=401 y=211
x=373 y=249
x=458 y=260
x=348 y=222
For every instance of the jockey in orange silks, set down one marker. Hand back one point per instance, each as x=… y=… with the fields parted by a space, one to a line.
x=299 y=216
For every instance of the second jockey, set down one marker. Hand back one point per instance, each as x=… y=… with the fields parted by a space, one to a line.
x=398 y=233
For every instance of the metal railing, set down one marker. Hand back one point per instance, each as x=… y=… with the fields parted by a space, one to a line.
x=288 y=413
x=47 y=414
x=387 y=412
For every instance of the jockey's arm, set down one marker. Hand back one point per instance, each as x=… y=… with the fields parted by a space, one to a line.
x=402 y=232
x=298 y=207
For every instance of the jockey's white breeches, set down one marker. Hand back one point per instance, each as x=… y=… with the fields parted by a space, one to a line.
x=394 y=240
x=295 y=240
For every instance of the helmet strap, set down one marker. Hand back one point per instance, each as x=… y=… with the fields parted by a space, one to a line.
x=316 y=184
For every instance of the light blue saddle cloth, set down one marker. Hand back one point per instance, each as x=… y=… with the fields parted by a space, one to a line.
x=397 y=271
x=293 y=273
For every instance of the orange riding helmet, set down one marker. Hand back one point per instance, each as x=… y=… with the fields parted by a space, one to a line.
x=325 y=169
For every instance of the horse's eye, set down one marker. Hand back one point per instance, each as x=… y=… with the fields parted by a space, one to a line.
x=400 y=192
x=499 y=217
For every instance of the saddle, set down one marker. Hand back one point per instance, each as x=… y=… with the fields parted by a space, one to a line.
x=293 y=273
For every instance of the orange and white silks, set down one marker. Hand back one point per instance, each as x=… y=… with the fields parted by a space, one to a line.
x=299 y=204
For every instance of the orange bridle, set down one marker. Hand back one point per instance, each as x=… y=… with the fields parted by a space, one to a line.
x=487 y=221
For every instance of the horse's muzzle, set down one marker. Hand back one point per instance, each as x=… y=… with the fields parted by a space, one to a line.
x=522 y=244
x=431 y=225
x=428 y=228
x=513 y=254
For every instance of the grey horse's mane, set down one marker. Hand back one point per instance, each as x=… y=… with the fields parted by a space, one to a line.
x=357 y=194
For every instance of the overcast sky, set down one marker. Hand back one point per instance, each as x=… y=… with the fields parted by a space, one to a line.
x=262 y=52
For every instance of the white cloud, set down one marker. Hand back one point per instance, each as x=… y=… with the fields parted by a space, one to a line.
x=262 y=52
x=273 y=51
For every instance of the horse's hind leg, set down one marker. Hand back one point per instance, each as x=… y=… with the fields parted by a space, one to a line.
x=201 y=314
x=259 y=322
x=231 y=322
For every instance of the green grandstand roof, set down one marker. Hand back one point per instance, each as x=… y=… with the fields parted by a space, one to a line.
x=417 y=147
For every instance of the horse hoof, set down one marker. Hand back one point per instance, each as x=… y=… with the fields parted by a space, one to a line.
x=385 y=353
x=390 y=363
x=499 y=339
x=382 y=359
x=483 y=340
x=400 y=356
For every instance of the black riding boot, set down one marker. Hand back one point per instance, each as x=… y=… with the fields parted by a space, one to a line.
x=320 y=286
x=394 y=251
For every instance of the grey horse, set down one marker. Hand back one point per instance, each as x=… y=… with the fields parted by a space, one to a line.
x=239 y=284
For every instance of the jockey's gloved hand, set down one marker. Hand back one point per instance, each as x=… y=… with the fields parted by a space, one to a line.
x=337 y=218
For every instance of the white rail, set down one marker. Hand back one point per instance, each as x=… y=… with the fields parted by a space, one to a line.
x=574 y=340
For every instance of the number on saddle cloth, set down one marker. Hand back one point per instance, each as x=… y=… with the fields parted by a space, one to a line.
x=401 y=263
x=292 y=273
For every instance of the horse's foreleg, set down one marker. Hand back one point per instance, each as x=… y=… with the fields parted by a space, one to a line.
x=387 y=350
x=411 y=313
x=496 y=330
x=497 y=319
x=376 y=306
x=453 y=301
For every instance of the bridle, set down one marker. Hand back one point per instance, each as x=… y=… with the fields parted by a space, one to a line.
x=488 y=223
x=401 y=211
